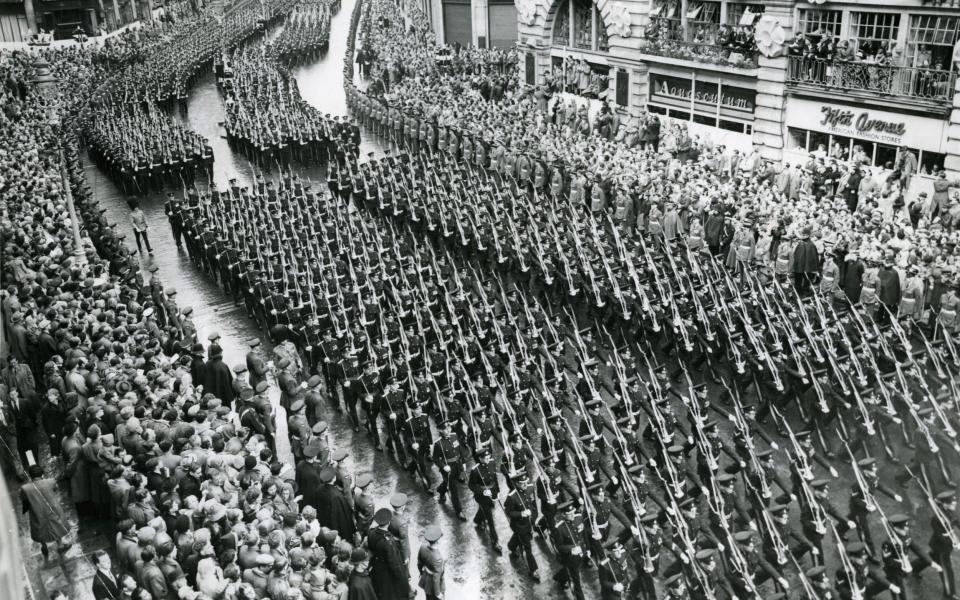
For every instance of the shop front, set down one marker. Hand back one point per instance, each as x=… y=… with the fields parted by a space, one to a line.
x=829 y=128
x=711 y=105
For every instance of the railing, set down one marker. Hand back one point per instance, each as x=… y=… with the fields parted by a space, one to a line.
x=888 y=80
x=666 y=37
x=709 y=53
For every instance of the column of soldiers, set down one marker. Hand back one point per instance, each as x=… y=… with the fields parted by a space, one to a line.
x=415 y=313
x=127 y=129
x=269 y=122
x=306 y=33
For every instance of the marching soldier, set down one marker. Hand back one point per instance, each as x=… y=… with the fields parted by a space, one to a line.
x=486 y=492
x=521 y=509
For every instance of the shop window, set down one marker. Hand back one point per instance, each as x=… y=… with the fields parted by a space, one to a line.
x=742 y=13
x=930 y=162
x=874 y=33
x=657 y=110
x=705 y=120
x=735 y=126
x=679 y=114
x=797 y=139
x=863 y=151
x=886 y=156
x=840 y=147
x=818 y=23
x=931 y=40
x=819 y=143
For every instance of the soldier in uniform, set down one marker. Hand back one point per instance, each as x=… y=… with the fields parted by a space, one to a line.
x=419 y=442
x=485 y=486
x=568 y=536
x=521 y=509
x=446 y=455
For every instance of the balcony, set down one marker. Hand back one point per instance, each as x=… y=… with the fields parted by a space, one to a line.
x=700 y=42
x=870 y=81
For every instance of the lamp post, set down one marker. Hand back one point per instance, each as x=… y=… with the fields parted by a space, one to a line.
x=49 y=87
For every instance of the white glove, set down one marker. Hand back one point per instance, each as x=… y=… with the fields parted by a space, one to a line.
x=393 y=416
x=446 y=468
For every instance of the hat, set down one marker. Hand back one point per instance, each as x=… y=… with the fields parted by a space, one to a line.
x=314 y=381
x=262 y=387
x=383 y=516
x=264 y=560
x=675 y=581
x=327 y=475
x=743 y=537
x=432 y=534
x=297 y=405
x=313 y=449
x=856 y=548
x=358 y=555
x=340 y=454
x=398 y=500
x=253 y=342
x=899 y=520
x=363 y=480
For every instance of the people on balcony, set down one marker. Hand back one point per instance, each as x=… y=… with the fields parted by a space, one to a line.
x=705 y=42
x=876 y=66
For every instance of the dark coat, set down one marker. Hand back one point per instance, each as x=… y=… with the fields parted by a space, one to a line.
x=360 y=587
x=889 y=292
x=48 y=523
x=334 y=510
x=806 y=259
x=104 y=589
x=390 y=576
x=308 y=483
x=218 y=380
x=853 y=280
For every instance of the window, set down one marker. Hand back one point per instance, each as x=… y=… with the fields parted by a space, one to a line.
x=561 y=25
x=874 y=32
x=796 y=139
x=736 y=10
x=703 y=22
x=736 y=126
x=931 y=39
x=583 y=24
x=705 y=120
x=657 y=110
x=817 y=23
x=679 y=114
x=931 y=162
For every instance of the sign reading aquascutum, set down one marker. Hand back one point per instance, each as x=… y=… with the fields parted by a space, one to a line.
x=865 y=123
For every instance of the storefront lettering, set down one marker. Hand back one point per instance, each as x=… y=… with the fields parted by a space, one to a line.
x=682 y=93
x=863 y=124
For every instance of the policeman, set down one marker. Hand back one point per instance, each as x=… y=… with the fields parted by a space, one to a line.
x=430 y=564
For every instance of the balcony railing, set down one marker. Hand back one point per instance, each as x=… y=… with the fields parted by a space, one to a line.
x=701 y=42
x=886 y=80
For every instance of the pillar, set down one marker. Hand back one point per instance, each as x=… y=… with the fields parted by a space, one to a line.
x=952 y=161
x=31 y=15
x=478 y=10
x=771 y=100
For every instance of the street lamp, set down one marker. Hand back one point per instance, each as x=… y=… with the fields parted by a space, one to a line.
x=48 y=86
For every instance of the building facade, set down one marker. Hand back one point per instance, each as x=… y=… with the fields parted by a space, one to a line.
x=482 y=23
x=21 y=18
x=788 y=78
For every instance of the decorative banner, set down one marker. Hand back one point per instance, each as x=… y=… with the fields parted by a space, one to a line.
x=527 y=11
x=770 y=36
